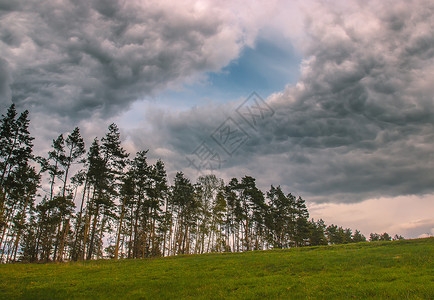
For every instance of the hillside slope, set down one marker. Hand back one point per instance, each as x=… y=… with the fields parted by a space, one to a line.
x=399 y=269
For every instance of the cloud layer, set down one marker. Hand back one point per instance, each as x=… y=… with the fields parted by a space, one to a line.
x=357 y=125
x=359 y=122
x=81 y=58
x=362 y=114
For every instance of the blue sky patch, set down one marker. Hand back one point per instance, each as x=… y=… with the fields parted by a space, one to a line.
x=266 y=68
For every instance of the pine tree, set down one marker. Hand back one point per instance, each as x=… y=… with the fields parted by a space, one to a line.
x=358 y=237
x=385 y=237
x=15 y=179
x=15 y=150
x=75 y=151
x=158 y=194
x=302 y=224
x=77 y=180
x=61 y=206
x=106 y=163
x=8 y=141
x=281 y=218
x=317 y=233
x=127 y=193
x=234 y=212
x=373 y=237
x=142 y=182
x=73 y=154
x=28 y=245
x=97 y=177
x=186 y=207
x=115 y=161
x=22 y=192
x=398 y=237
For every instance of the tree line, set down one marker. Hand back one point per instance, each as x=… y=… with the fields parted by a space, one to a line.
x=126 y=208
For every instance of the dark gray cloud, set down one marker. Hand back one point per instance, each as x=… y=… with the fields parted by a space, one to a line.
x=5 y=81
x=82 y=58
x=363 y=111
x=359 y=123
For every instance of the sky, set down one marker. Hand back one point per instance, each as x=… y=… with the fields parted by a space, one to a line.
x=331 y=100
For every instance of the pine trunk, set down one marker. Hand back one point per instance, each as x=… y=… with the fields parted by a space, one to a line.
x=92 y=238
x=120 y=229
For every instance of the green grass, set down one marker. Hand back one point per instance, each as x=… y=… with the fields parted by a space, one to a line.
x=385 y=270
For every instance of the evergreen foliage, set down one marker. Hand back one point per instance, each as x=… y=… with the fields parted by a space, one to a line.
x=126 y=209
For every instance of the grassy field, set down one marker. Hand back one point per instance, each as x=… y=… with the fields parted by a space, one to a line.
x=394 y=270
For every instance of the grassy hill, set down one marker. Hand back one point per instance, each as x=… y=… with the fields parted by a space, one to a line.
x=396 y=270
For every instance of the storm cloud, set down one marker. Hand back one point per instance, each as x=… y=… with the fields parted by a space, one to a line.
x=79 y=59
x=363 y=110
x=359 y=122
